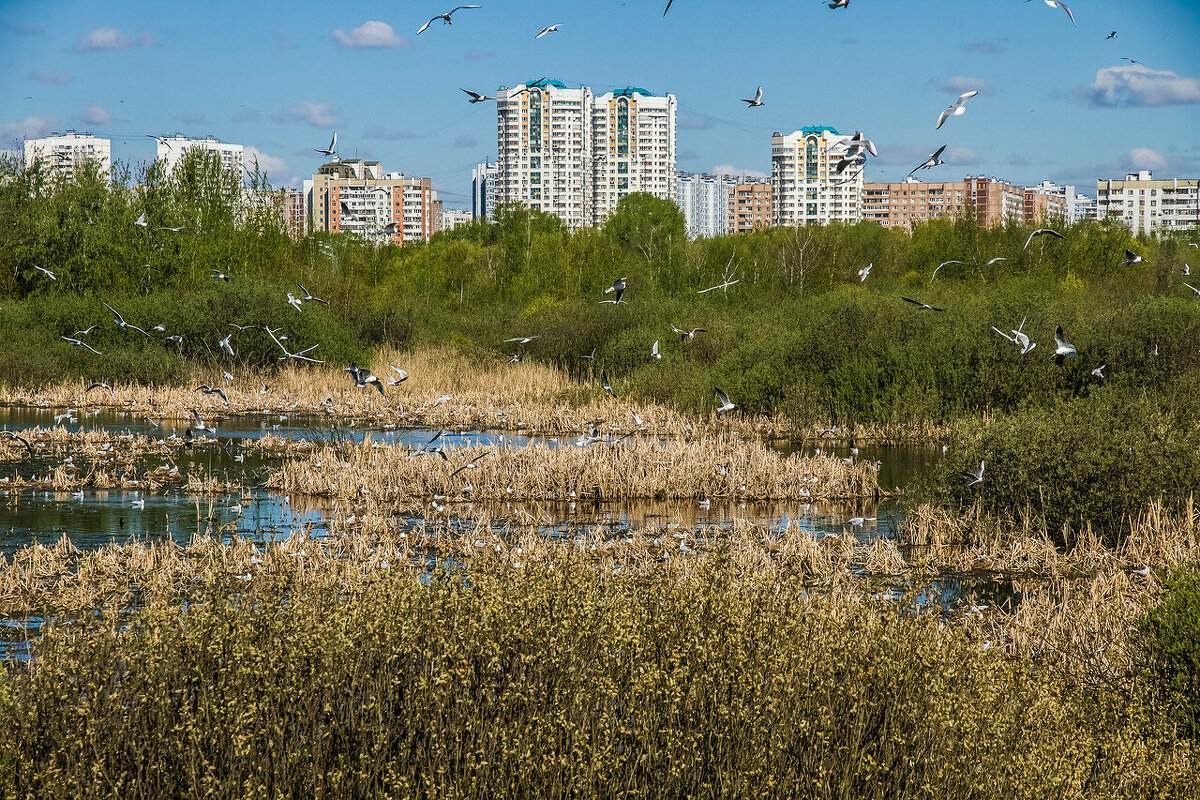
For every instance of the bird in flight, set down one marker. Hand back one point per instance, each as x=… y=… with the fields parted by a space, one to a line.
x=1130 y=60
x=472 y=464
x=1193 y=288
x=618 y=287
x=328 y=151
x=400 y=377
x=939 y=266
x=1063 y=6
x=1130 y=258
x=294 y=301
x=840 y=4
x=78 y=343
x=956 y=109
x=726 y=404
x=864 y=272
x=218 y=391
x=994 y=260
x=16 y=438
x=975 y=477
x=141 y=221
x=724 y=285
x=1062 y=348
x=1098 y=372
x=604 y=384
x=169 y=228
x=922 y=306
x=226 y=346
x=1112 y=35
x=309 y=297
x=934 y=160
x=757 y=101
x=444 y=17
x=121 y=323
x=548 y=29
x=476 y=97
x=46 y=272
x=1018 y=338
x=683 y=335
x=217 y=274
x=1042 y=232
x=654 y=351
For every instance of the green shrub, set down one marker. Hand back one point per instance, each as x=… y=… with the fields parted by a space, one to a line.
x=1170 y=635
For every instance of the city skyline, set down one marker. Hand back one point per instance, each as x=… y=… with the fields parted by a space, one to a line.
x=1055 y=102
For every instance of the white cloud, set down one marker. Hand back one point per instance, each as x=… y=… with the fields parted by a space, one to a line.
x=319 y=115
x=28 y=128
x=95 y=115
x=1146 y=158
x=958 y=84
x=371 y=33
x=963 y=156
x=51 y=78
x=730 y=169
x=274 y=166
x=1137 y=85
x=111 y=39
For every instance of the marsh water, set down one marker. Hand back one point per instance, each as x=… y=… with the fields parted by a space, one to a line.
x=93 y=518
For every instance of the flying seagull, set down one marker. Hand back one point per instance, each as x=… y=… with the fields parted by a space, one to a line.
x=994 y=260
x=726 y=405
x=1042 y=232
x=121 y=323
x=975 y=477
x=1130 y=258
x=472 y=464
x=956 y=109
x=443 y=17
x=522 y=339
x=1062 y=348
x=78 y=343
x=169 y=228
x=923 y=306
x=141 y=221
x=1112 y=35
x=688 y=334
x=1193 y=288
x=218 y=391
x=88 y=330
x=1063 y=6
x=548 y=29
x=217 y=274
x=16 y=438
x=47 y=272
x=1098 y=372
x=939 y=266
x=1130 y=60
x=606 y=385
x=476 y=97
x=840 y=4
x=1018 y=338
x=294 y=301
x=757 y=101
x=226 y=346
x=308 y=296
x=933 y=161
x=618 y=287
x=654 y=351
x=400 y=377
x=328 y=151
x=864 y=272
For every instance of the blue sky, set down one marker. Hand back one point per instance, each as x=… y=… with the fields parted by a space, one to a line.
x=1056 y=100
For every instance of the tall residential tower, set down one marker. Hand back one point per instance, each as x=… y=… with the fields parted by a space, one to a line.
x=805 y=185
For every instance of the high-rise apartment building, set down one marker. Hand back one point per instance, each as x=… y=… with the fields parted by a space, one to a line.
x=1044 y=207
x=454 y=217
x=633 y=148
x=172 y=149
x=994 y=202
x=807 y=189
x=63 y=153
x=903 y=205
x=1149 y=206
x=750 y=206
x=294 y=209
x=704 y=201
x=483 y=191
x=573 y=154
x=358 y=197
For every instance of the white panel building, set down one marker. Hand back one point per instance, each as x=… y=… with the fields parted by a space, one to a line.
x=575 y=155
x=806 y=187
x=483 y=190
x=704 y=201
x=64 y=152
x=1149 y=206
x=171 y=150
x=1078 y=206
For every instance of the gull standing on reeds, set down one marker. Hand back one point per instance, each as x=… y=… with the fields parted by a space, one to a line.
x=757 y=101
x=1130 y=258
x=956 y=109
x=444 y=17
x=864 y=272
x=548 y=29
x=975 y=477
x=618 y=286
x=1062 y=348
x=1063 y=6
x=121 y=323
x=46 y=272
x=726 y=405
x=922 y=306
x=78 y=343
x=1042 y=232
x=934 y=160
x=328 y=151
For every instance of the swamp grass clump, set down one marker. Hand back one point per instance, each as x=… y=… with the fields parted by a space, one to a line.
x=638 y=467
x=515 y=673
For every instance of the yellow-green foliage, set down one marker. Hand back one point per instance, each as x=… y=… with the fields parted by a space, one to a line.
x=508 y=674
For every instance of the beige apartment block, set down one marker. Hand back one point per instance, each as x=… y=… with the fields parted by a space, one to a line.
x=1150 y=206
x=357 y=197
x=903 y=205
x=750 y=207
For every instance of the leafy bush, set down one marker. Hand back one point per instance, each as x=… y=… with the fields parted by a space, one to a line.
x=1171 y=648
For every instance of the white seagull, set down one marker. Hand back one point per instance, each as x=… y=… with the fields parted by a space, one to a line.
x=476 y=97
x=141 y=221
x=939 y=266
x=328 y=151
x=1130 y=258
x=654 y=351
x=78 y=343
x=756 y=102
x=226 y=346
x=726 y=405
x=1042 y=232
x=1018 y=338
x=548 y=29
x=865 y=271
x=688 y=334
x=121 y=323
x=309 y=297
x=47 y=272
x=1063 y=6
x=976 y=476
x=934 y=160
x=1062 y=348
x=1098 y=372
x=618 y=287
x=443 y=17
x=956 y=109
x=294 y=301
x=724 y=285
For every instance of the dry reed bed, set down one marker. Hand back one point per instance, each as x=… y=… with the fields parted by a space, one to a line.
x=526 y=396
x=716 y=467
